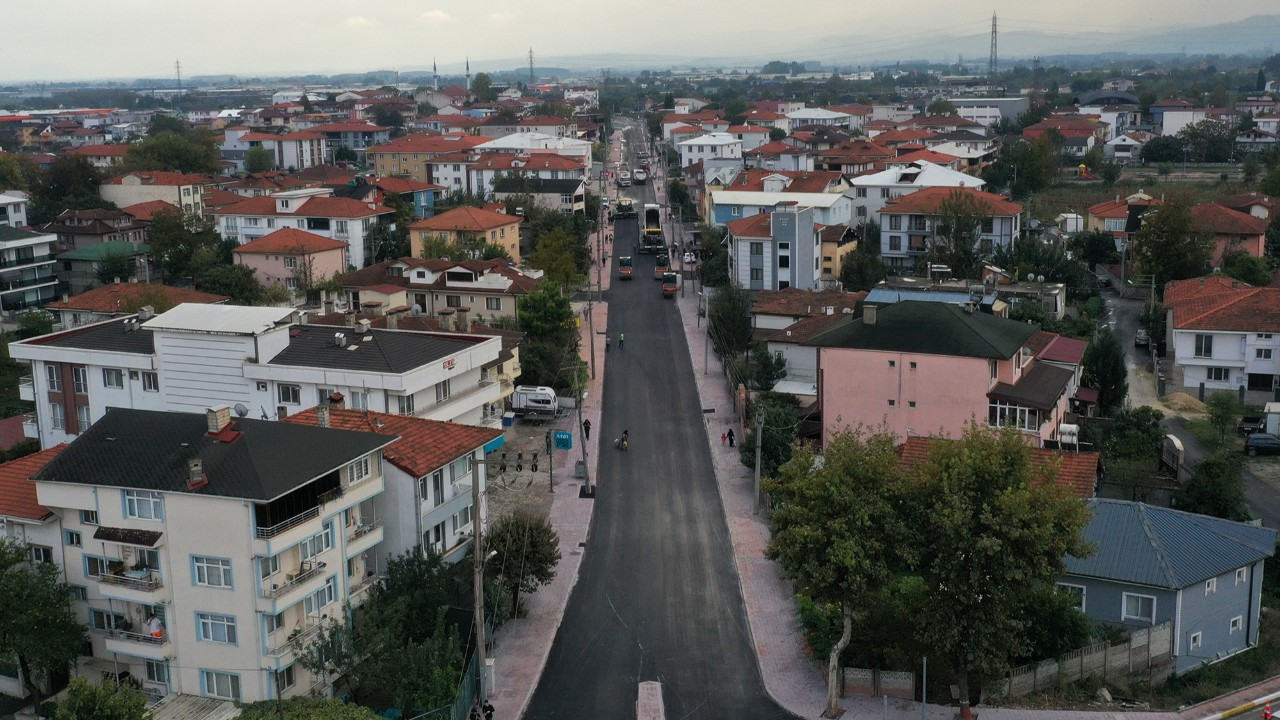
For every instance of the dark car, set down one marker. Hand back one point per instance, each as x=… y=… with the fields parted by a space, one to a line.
x=1141 y=338
x=1262 y=444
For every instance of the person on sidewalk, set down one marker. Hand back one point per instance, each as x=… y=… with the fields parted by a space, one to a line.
x=723 y=438
x=488 y=710
x=622 y=337
x=586 y=429
x=732 y=442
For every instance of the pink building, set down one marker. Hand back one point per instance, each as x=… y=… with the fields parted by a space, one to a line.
x=293 y=258
x=927 y=368
x=1231 y=230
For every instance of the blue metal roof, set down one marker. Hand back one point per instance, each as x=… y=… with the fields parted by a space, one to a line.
x=1160 y=547
x=884 y=296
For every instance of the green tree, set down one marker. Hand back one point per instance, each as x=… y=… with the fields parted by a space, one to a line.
x=766 y=368
x=553 y=253
x=177 y=239
x=70 y=183
x=17 y=172
x=345 y=154
x=37 y=624
x=714 y=268
x=1215 y=488
x=1095 y=247
x=388 y=117
x=237 y=282
x=1224 y=411
x=551 y=337
x=994 y=530
x=162 y=123
x=940 y=107
x=1110 y=172
x=34 y=323
x=387 y=242
x=777 y=440
x=527 y=552
x=729 y=321
x=1169 y=247
x=1251 y=168
x=116 y=266
x=192 y=152
x=482 y=88
x=1163 y=149
x=680 y=198
x=103 y=701
x=1246 y=268
x=1104 y=370
x=861 y=270
x=1271 y=184
x=305 y=708
x=426 y=109
x=837 y=530
x=960 y=217
x=1208 y=141
x=776 y=134
x=258 y=159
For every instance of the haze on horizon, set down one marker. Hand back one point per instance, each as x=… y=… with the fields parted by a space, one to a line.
x=79 y=40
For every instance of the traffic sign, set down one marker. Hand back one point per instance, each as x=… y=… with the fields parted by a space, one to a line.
x=564 y=440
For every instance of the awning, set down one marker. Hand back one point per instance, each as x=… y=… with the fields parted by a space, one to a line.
x=126 y=536
x=1087 y=395
x=1039 y=388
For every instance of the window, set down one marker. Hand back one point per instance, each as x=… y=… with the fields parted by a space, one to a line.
x=1197 y=639
x=54 y=372
x=359 y=470
x=317 y=600
x=143 y=504
x=462 y=519
x=268 y=566
x=757 y=274
x=757 y=249
x=42 y=553
x=1237 y=624
x=289 y=394
x=88 y=517
x=404 y=404
x=158 y=671
x=211 y=627
x=884 y=193
x=860 y=192
x=988 y=226
x=443 y=391
x=316 y=544
x=895 y=222
x=150 y=382
x=461 y=468
x=290 y=263
x=784 y=261
x=895 y=243
x=78 y=592
x=57 y=416
x=911 y=403
x=72 y=538
x=1204 y=346
x=437 y=488
x=453 y=301
x=284 y=679
x=1262 y=354
x=340 y=227
x=1077 y=592
x=893 y=363
x=1242 y=575
x=83 y=418
x=1264 y=336
x=911 y=365
x=892 y=403
x=734 y=210
x=358 y=399
x=211 y=572
x=323 y=394
x=1139 y=607
x=1001 y=414
x=862 y=211
x=1220 y=374
x=80 y=379
x=1211 y=586
x=272 y=623
x=95 y=566
x=220 y=685
x=112 y=377
x=103 y=620
x=493 y=303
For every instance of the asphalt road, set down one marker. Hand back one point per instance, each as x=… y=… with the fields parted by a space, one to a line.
x=657 y=597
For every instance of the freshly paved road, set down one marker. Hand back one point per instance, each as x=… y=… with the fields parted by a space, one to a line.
x=657 y=598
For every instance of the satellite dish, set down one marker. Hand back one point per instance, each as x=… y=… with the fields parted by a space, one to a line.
x=1039 y=278
x=1031 y=277
x=241 y=410
x=417 y=309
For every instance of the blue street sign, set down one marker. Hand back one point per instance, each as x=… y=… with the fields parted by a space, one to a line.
x=564 y=440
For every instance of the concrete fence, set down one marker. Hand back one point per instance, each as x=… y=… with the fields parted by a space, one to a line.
x=875 y=683
x=1149 y=650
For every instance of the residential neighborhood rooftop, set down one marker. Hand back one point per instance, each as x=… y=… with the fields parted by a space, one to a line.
x=931 y=329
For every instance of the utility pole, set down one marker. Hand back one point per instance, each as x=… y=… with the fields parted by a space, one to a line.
x=759 y=443
x=478 y=556
x=991 y=65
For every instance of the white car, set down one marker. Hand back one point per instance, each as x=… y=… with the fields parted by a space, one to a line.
x=689 y=259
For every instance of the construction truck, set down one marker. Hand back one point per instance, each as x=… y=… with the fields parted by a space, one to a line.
x=626 y=208
x=662 y=266
x=670 y=284
x=624 y=267
x=651 y=240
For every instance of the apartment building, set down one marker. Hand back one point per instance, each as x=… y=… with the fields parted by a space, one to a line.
x=775 y=250
x=910 y=224
x=486 y=288
x=204 y=552
x=13 y=208
x=871 y=192
x=468 y=226
x=258 y=360
x=410 y=155
x=27 y=276
x=180 y=190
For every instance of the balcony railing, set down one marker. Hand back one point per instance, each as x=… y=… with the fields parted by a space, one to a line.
x=17 y=262
x=28 y=282
x=363 y=586
x=146 y=581
x=308 y=570
x=26 y=382
x=363 y=529
x=297 y=640
x=264 y=533
x=139 y=637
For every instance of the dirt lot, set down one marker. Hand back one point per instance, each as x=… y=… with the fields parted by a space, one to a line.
x=525 y=488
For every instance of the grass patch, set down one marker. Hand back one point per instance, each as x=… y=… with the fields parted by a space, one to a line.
x=1073 y=197
x=1207 y=434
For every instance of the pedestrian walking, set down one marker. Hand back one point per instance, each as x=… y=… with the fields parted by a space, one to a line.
x=586 y=429
x=732 y=442
x=723 y=438
x=475 y=713
x=621 y=338
x=488 y=710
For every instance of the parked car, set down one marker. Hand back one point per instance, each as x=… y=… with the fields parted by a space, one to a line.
x=1141 y=338
x=1250 y=424
x=1262 y=444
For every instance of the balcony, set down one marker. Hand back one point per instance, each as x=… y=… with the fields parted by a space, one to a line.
x=27 y=283
x=296 y=640
x=266 y=533
x=30 y=427
x=360 y=591
x=363 y=529
x=139 y=644
x=307 y=571
x=23 y=261
x=363 y=537
x=27 y=388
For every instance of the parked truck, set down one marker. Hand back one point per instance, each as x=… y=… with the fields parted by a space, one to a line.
x=651 y=237
x=535 y=401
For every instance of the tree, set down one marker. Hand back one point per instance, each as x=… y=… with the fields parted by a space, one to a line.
x=152 y=296
x=1251 y=168
x=388 y=117
x=993 y=529
x=1104 y=370
x=960 y=217
x=777 y=440
x=940 y=107
x=70 y=183
x=714 y=269
x=177 y=239
x=729 y=320
x=553 y=253
x=1224 y=411
x=162 y=123
x=1246 y=268
x=482 y=88
x=766 y=368
x=776 y=134
x=34 y=323
x=551 y=336
x=17 y=172
x=37 y=624
x=1215 y=488
x=1163 y=149
x=526 y=551
x=1110 y=172
x=237 y=282
x=836 y=529
x=1271 y=184
x=103 y=701
x=387 y=242
x=117 y=265
x=345 y=154
x=258 y=159
x=305 y=708
x=425 y=109
x=1169 y=247
x=1208 y=141
x=191 y=152
x=1095 y=247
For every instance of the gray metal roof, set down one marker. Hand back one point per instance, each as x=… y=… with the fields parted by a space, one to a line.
x=112 y=336
x=383 y=351
x=930 y=328
x=1159 y=547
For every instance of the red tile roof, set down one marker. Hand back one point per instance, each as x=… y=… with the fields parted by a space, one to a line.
x=1118 y=208
x=778 y=147
x=752 y=180
x=538 y=161
x=158 y=177
x=891 y=137
x=290 y=241
x=850 y=109
x=215 y=198
x=928 y=201
x=932 y=156
x=100 y=150
x=1218 y=220
x=759 y=225
x=403 y=185
x=435 y=144
x=1221 y=303
x=116 y=297
x=17 y=492
x=1061 y=349
x=313 y=207
x=468 y=219
x=1075 y=471
x=147 y=210
x=1245 y=200
x=794 y=302
x=422 y=445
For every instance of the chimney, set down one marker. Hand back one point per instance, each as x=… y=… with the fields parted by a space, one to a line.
x=393 y=321
x=145 y=313
x=351 y=319
x=337 y=400
x=195 y=473
x=218 y=417
x=328 y=307
x=463 y=323
x=869 y=315
x=446 y=319
x=322 y=416
x=304 y=318
x=362 y=326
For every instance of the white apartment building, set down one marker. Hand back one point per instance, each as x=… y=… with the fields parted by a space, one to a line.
x=13 y=209
x=27 y=276
x=1224 y=334
x=818 y=116
x=254 y=359
x=775 y=250
x=315 y=210
x=871 y=192
x=911 y=225
x=712 y=146
x=206 y=552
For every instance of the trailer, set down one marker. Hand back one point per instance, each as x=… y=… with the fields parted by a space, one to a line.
x=536 y=401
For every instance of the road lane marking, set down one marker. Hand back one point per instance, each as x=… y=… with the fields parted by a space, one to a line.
x=649 y=701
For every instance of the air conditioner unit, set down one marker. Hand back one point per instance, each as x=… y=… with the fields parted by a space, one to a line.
x=262 y=387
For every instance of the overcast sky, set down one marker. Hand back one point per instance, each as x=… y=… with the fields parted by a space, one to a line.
x=90 y=39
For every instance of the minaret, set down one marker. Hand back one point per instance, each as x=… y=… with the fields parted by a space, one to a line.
x=435 y=76
x=468 y=73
